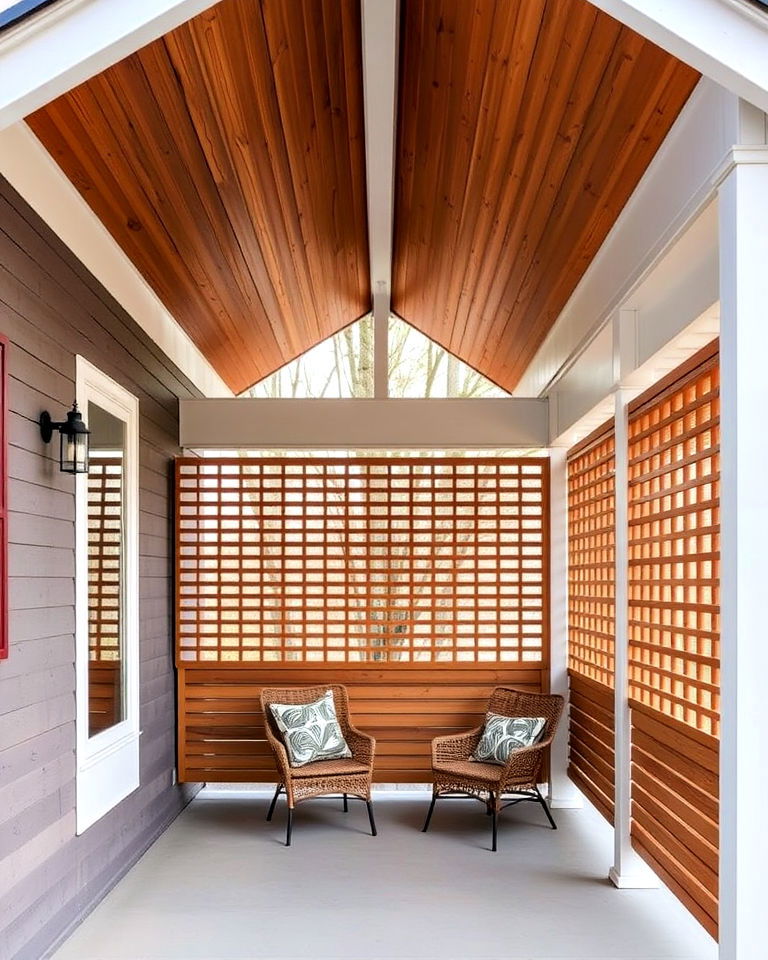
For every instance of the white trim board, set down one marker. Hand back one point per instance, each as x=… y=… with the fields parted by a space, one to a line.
x=31 y=170
x=449 y=424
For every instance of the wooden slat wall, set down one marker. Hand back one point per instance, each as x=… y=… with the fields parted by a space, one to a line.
x=418 y=582
x=674 y=649
x=591 y=616
x=221 y=729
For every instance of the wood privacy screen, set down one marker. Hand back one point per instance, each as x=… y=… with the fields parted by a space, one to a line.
x=674 y=629
x=591 y=616
x=418 y=582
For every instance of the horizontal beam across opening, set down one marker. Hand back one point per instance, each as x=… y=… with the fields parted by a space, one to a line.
x=442 y=424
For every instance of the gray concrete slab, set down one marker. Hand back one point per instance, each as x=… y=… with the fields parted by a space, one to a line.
x=220 y=885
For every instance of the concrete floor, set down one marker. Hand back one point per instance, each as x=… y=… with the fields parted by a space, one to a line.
x=220 y=885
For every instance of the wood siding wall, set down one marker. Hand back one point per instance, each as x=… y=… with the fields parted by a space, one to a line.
x=52 y=309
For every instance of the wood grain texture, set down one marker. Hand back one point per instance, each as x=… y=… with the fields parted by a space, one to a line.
x=227 y=160
x=523 y=129
x=50 y=310
x=221 y=727
x=591 y=737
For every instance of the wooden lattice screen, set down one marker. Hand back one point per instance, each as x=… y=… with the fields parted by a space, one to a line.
x=674 y=629
x=420 y=582
x=105 y=505
x=591 y=616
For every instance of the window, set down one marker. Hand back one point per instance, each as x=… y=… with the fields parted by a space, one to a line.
x=107 y=599
x=17 y=12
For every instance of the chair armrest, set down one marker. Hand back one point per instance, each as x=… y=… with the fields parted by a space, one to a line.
x=362 y=745
x=456 y=746
x=525 y=763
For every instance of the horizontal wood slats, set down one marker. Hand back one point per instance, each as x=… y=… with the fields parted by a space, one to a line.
x=591 y=758
x=675 y=807
x=221 y=729
x=227 y=159
x=674 y=630
x=523 y=128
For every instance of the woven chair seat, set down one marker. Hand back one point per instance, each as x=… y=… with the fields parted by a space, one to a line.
x=469 y=769
x=330 y=768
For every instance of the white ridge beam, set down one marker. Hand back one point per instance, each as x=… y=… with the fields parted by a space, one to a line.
x=72 y=40
x=380 y=19
x=725 y=40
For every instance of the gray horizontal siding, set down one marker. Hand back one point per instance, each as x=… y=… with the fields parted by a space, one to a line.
x=52 y=309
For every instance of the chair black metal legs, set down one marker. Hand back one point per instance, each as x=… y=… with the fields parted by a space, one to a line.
x=346 y=804
x=370 y=817
x=544 y=804
x=289 y=829
x=274 y=801
x=429 y=815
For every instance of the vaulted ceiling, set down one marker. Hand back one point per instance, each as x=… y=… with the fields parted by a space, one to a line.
x=228 y=161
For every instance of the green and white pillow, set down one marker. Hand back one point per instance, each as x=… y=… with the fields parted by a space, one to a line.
x=502 y=735
x=311 y=731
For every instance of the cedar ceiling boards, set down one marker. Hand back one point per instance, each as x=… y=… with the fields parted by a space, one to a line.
x=523 y=129
x=227 y=160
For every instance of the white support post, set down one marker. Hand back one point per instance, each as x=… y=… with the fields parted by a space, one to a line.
x=628 y=870
x=562 y=791
x=743 y=213
x=380 y=345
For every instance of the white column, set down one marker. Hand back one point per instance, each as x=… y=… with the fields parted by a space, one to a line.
x=743 y=211
x=562 y=792
x=381 y=345
x=628 y=869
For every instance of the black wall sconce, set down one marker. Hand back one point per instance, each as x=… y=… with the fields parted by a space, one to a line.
x=73 y=449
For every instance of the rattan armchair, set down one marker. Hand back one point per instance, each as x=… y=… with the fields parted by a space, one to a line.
x=350 y=778
x=456 y=776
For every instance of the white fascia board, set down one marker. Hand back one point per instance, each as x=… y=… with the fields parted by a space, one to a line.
x=31 y=170
x=725 y=40
x=449 y=424
x=73 y=40
x=679 y=183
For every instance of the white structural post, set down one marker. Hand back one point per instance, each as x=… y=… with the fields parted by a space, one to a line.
x=743 y=212
x=628 y=869
x=562 y=792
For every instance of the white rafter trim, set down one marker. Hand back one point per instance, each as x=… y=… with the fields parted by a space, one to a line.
x=31 y=170
x=380 y=23
x=73 y=40
x=725 y=40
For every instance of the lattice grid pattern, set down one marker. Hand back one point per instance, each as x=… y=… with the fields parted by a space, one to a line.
x=105 y=510
x=674 y=551
x=591 y=546
x=362 y=559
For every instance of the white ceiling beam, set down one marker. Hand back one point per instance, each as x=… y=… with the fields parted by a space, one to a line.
x=452 y=424
x=725 y=40
x=72 y=40
x=380 y=21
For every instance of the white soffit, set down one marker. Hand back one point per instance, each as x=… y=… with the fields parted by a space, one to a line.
x=31 y=170
x=72 y=40
x=726 y=40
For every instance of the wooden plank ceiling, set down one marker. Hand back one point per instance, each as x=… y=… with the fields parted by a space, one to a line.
x=228 y=161
x=523 y=129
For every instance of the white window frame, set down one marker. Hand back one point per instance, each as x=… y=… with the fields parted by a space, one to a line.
x=108 y=763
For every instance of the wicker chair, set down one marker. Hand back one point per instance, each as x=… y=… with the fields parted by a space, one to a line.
x=456 y=776
x=351 y=778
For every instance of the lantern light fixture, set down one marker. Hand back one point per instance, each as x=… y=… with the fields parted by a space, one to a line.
x=73 y=433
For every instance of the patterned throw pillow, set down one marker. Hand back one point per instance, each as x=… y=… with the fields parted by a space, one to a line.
x=311 y=731
x=502 y=735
